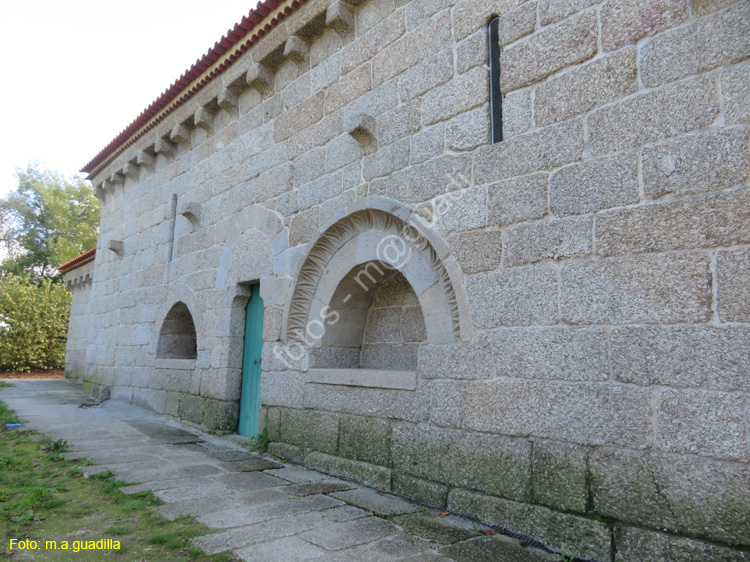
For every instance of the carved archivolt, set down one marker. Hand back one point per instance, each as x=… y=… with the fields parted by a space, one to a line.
x=335 y=237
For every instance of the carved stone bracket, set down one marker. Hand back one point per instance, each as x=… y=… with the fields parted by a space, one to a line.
x=181 y=135
x=165 y=148
x=204 y=118
x=340 y=18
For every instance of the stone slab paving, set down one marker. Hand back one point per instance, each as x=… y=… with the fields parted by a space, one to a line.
x=260 y=508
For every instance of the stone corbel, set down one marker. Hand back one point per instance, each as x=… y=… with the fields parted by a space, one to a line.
x=132 y=170
x=145 y=160
x=117 y=179
x=340 y=18
x=260 y=78
x=180 y=134
x=192 y=212
x=117 y=247
x=165 y=148
x=363 y=128
x=298 y=50
x=228 y=101
x=204 y=118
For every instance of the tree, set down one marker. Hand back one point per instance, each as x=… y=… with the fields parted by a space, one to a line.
x=33 y=323
x=47 y=221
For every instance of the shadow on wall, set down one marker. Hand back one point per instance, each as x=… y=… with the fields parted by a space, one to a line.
x=177 y=338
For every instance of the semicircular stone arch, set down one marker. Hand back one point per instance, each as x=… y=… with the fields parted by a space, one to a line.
x=370 y=240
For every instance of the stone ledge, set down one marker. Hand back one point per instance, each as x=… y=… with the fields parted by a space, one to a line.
x=175 y=364
x=374 y=378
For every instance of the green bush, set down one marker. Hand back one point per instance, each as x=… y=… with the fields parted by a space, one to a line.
x=33 y=323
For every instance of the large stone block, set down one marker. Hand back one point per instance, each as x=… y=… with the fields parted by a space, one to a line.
x=491 y=463
x=364 y=48
x=463 y=93
x=654 y=115
x=626 y=21
x=517 y=199
x=303 y=227
x=667 y=288
x=559 y=475
x=570 y=354
x=424 y=491
x=516 y=113
x=316 y=135
x=318 y=431
x=445 y=402
x=477 y=250
x=641 y=545
x=372 y=402
x=548 y=51
x=348 y=88
x=433 y=71
x=594 y=185
x=680 y=494
x=370 y=474
x=720 y=39
x=298 y=118
x=469 y=130
x=586 y=87
x=365 y=439
x=273 y=182
x=317 y=191
x=551 y=239
x=459 y=210
x=419 y=11
x=708 y=161
x=583 y=413
x=400 y=122
x=735 y=86
x=282 y=389
x=682 y=356
x=551 y=11
x=525 y=296
x=699 y=422
x=425 y=181
x=567 y=533
x=547 y=148
x=387 y=160
x=472 y=15
x=472 y=52
x=721 y=220
x=408 y=51
x=733 y=273
x=458 y=361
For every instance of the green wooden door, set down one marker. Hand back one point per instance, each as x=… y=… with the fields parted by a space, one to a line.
x=250 y=397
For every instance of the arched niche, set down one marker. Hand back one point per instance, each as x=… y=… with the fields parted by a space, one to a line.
x=336 y=293
x=177 y=337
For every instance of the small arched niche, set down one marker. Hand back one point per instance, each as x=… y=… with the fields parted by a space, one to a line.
x=177 y=339
x=380 y=323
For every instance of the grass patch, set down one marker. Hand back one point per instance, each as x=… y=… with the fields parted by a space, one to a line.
x=45 y=498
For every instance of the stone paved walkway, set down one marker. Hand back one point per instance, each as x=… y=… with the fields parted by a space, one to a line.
x=261 y=508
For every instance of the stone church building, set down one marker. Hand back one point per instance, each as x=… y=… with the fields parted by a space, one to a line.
x=493 y=255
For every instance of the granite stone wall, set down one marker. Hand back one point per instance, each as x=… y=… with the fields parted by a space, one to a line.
x=581 y=290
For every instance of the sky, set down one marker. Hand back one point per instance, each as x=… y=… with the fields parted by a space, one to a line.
x=77 y=72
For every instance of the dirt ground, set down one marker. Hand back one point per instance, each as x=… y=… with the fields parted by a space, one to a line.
x=33 y=375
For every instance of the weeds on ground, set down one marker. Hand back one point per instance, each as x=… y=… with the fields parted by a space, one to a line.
x=43 y=497
x=260 y=443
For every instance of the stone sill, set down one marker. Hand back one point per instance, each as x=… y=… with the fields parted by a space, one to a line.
x=374 y=378
x=175 y=364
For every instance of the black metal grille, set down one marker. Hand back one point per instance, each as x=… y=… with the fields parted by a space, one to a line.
x=496 y=96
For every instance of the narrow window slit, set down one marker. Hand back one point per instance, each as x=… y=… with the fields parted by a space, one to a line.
x=496 y=96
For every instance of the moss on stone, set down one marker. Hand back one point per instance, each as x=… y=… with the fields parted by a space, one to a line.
x=220 y=415
x=365 y=439
x=432 y=528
